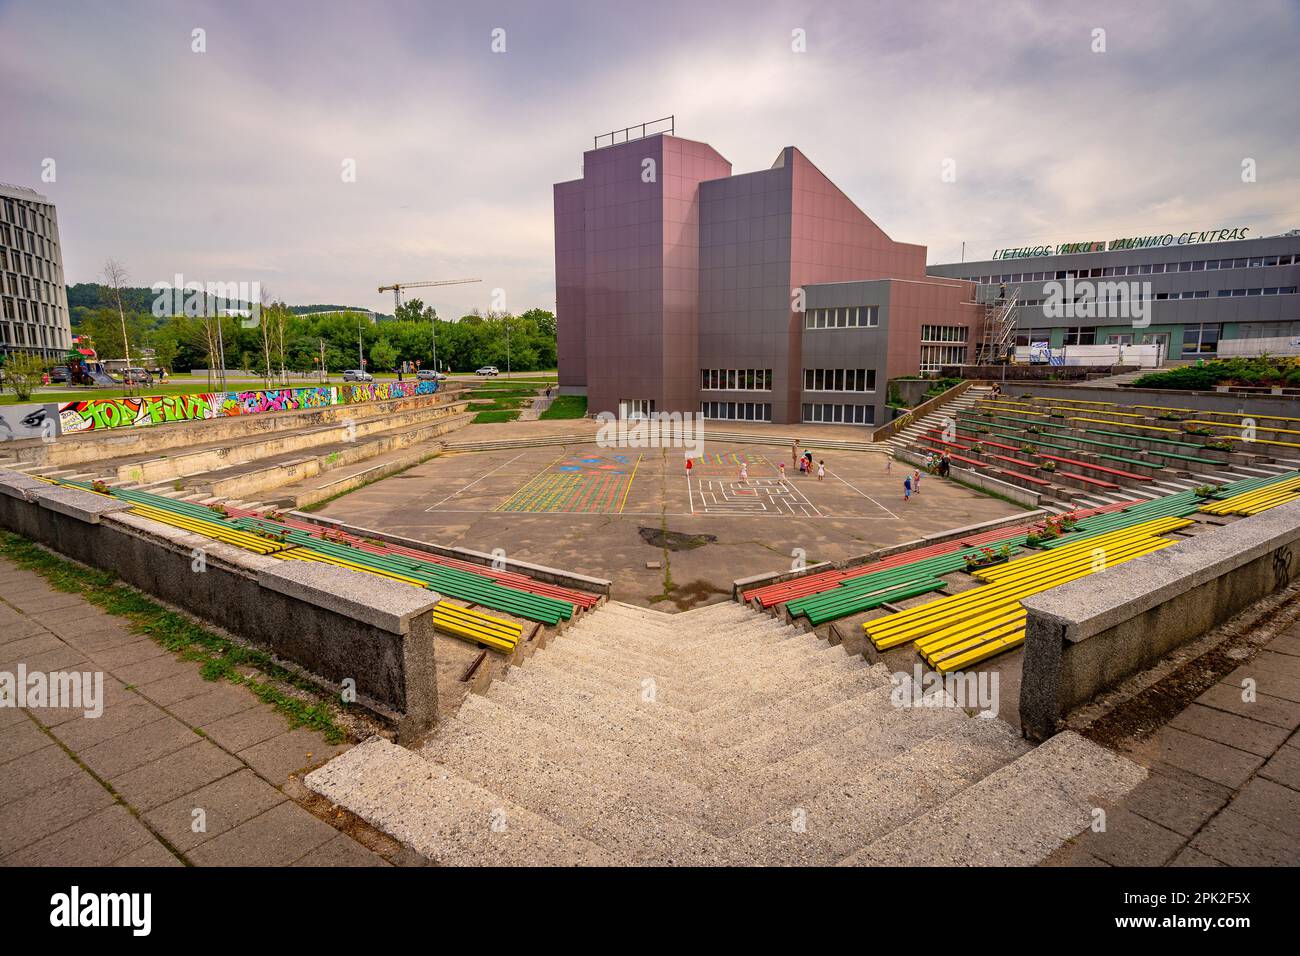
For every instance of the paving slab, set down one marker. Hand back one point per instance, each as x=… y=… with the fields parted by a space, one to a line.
x=276 y=837
x=226 y=803
x=174 y=774
x=97 y=840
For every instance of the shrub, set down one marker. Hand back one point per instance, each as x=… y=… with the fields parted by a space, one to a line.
x=23 y=373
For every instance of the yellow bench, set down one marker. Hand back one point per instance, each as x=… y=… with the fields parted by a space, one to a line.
x=211 y=529
x=495 y=632
x=307 y=554
x=968 y=627
x=1253 y=502
x=1149 y=428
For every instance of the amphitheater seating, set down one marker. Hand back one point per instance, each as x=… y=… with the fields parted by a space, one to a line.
x=476 y=626
x=969 y=627
x=1255 y=500
x=1093 y=467
x=289 y=540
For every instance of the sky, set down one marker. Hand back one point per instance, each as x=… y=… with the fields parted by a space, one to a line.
x=228 y=163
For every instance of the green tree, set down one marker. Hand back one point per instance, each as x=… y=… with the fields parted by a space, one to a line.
x=383 y=357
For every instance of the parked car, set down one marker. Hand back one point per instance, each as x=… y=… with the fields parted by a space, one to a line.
x=488 y=370
x=136 y=376
x=357 y=375
x=429 y=375
x=60 y=374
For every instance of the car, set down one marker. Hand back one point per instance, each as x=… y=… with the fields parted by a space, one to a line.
x=488 y=370
x=59 y=373
x=357 y=375
x=136 y=376
x=429 y=375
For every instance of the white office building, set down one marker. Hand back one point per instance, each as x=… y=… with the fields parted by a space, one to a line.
x=33 y=296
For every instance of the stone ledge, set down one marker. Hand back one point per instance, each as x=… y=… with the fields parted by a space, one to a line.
x=17 y=485
x=83 y=505
x=371 y=599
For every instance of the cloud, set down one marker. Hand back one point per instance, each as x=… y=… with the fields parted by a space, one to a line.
x=226 y=165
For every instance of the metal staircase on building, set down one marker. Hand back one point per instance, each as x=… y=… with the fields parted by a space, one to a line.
x=998 y=335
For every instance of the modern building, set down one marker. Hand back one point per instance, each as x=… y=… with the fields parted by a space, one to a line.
x=1207 y=298
x=33 y=297
x=770 y=296
x=762 y=296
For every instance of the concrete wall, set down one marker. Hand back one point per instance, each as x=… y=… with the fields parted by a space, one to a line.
x=332 y=623
x=117 y=443
x=568 y=579
x=1090 y=634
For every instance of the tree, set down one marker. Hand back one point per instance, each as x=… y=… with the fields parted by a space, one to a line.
x=23 y=373
x=383 y=355
x=115 y=280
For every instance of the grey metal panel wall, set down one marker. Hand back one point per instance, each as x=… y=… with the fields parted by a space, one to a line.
x=849 y=348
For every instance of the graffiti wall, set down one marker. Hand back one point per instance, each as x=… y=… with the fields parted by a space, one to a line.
x=94 y=414
x=355 y=394
x=100 y=413
x=28 y=421
x=278 y=400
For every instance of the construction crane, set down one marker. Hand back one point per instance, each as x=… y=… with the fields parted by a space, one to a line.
x=397 y=288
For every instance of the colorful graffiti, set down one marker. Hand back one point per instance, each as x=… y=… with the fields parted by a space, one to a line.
x=277 y=400
x=101 y=413
x=385 y=391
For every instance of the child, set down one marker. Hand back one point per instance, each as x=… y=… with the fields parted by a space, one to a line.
x=907 y=488
x=916 y=481
x=821 y=470
x=689 y=465
x=744 y=472
x=781 y=469
x=889 y=464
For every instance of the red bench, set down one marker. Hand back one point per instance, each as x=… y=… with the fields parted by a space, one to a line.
x=1102 y=468
x=970 y=461
x=1021 y=475
x=1108 y=485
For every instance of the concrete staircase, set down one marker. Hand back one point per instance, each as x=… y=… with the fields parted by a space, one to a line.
x=718 y=736
x=906 y=438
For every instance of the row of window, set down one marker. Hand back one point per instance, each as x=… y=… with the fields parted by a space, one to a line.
x=848 y=317
x=1169 y=296
x=737 y=411
x=1197 y=339
x=935 y=357
x=839 y=380
x=17 y=310
x=28 y=217
x=33 y=335
x=736 y=379
x=839 y=414
x=1141 y=269
x=944 y=333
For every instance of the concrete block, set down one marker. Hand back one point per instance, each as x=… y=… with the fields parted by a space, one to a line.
x=387 y=605
x=17 y=485
x=83 y=505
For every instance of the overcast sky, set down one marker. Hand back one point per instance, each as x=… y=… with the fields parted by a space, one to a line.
x=226 y=165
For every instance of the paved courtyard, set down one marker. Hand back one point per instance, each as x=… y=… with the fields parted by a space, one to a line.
x=602 y=511
x=176 y=770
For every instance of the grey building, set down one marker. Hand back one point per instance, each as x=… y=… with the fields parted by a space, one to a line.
x=33 y=296
x=1207 y=299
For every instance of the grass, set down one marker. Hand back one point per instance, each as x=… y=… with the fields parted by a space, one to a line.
x=218 y=657
x=566 y=406
x=496 y=415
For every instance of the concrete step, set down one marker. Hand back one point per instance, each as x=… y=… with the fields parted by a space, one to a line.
x=1017 y=815
x=443 y=816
